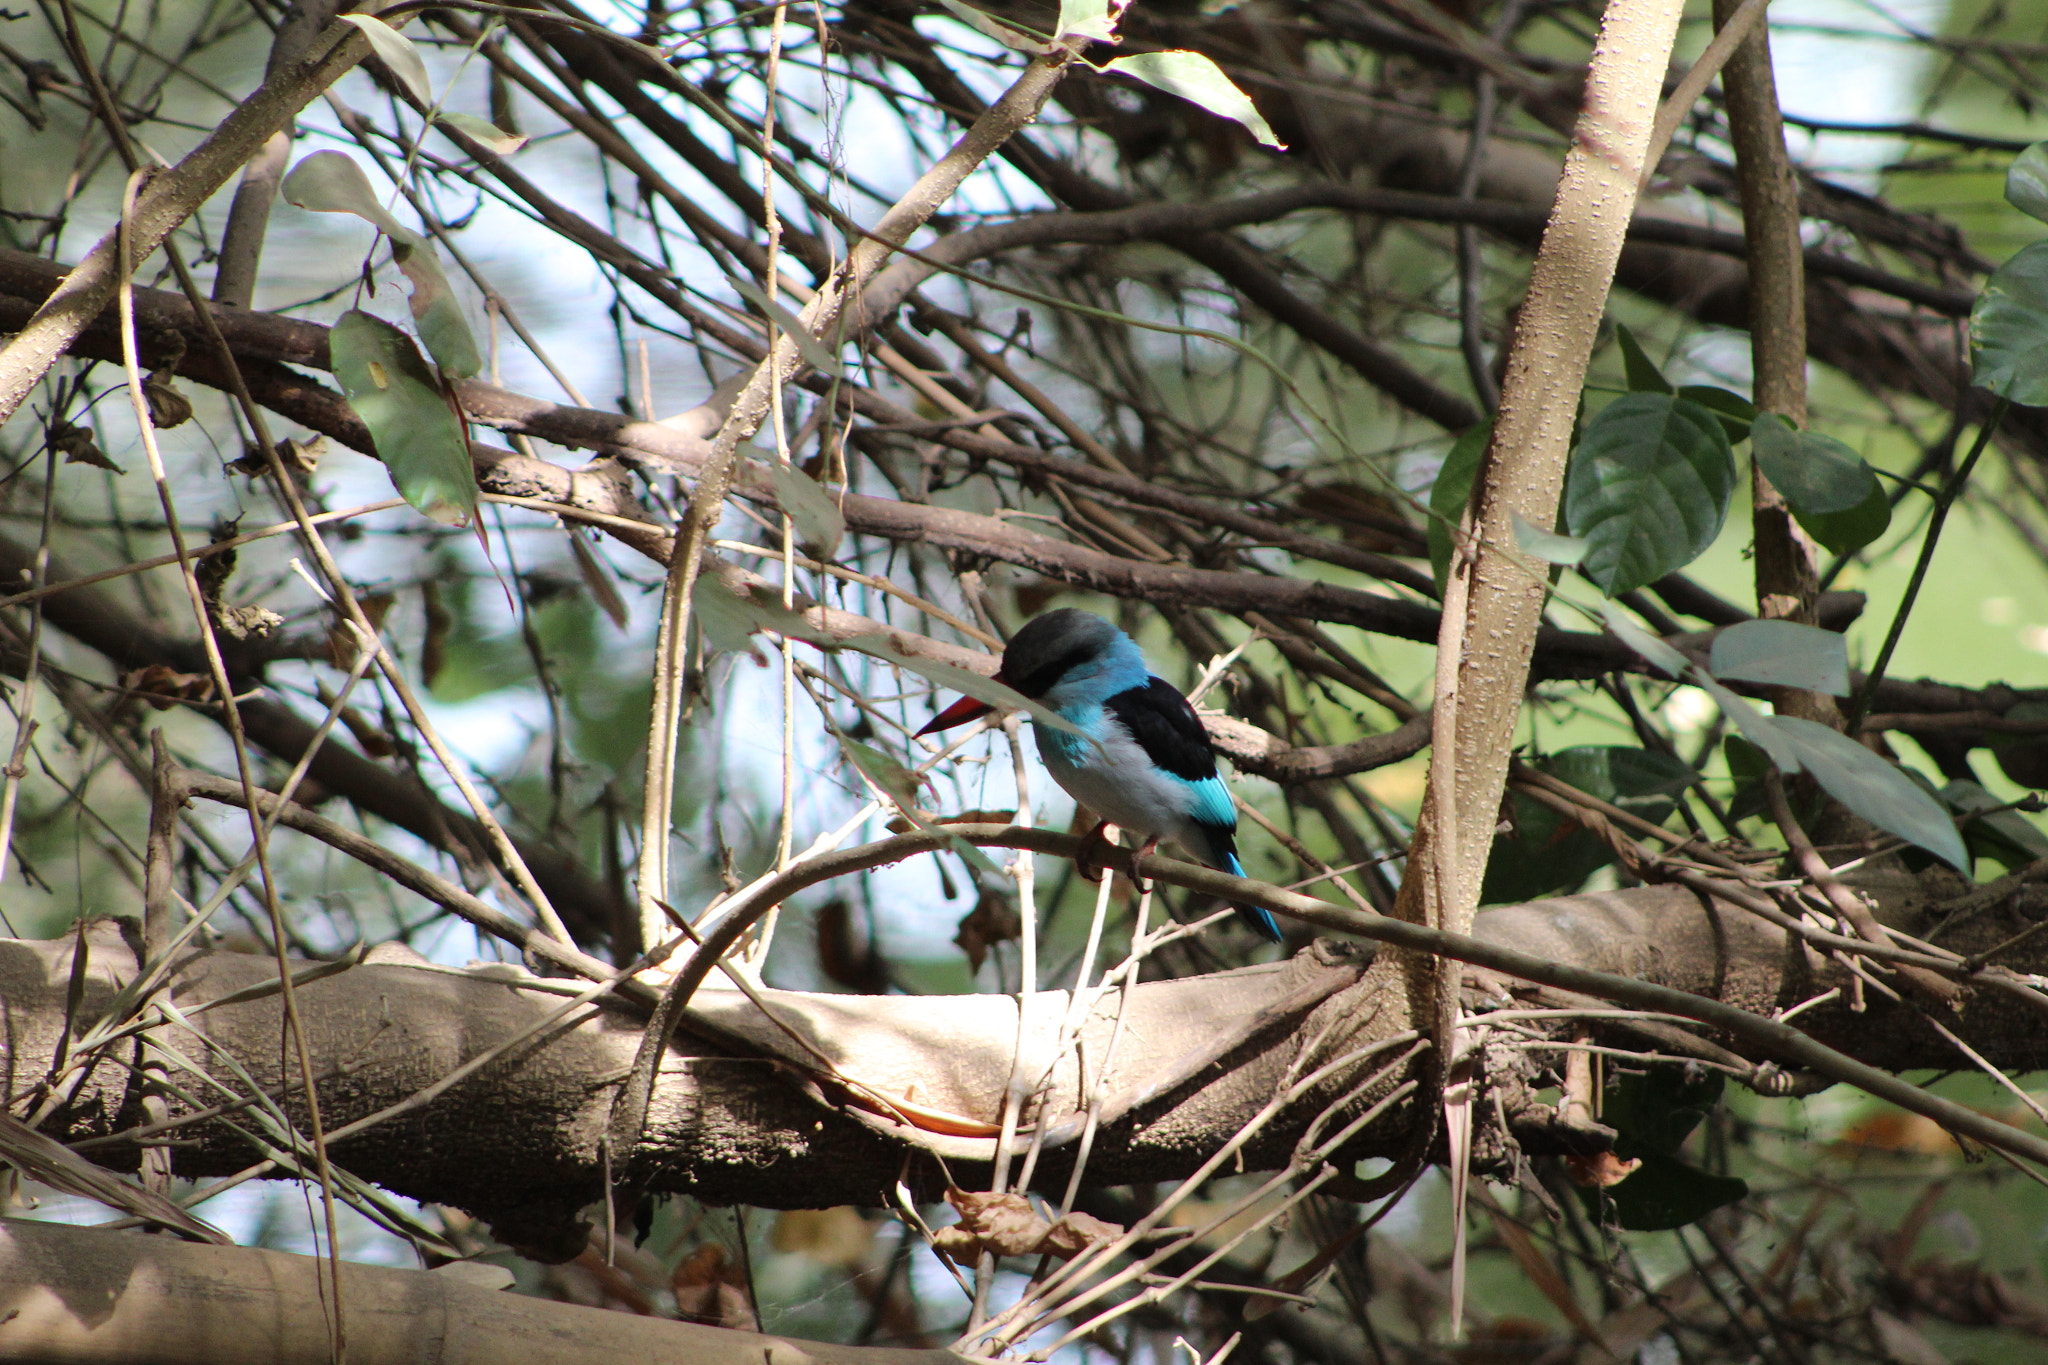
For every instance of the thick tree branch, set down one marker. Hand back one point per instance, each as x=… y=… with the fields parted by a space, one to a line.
x=81 y=1296
x=1787 y=580
x=754 y=1118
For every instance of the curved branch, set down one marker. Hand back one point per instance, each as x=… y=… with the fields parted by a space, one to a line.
x=1238 y=265
x=268 y=345
x=1163 y=221
x=1252 y=750
x=164 y=202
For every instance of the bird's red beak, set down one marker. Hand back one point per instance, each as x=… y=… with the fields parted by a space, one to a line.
x=959 y=713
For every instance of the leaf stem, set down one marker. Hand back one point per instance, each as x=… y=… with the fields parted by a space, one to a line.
x=1942 y=502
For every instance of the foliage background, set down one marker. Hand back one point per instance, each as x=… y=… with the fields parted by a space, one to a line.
x=545 y=696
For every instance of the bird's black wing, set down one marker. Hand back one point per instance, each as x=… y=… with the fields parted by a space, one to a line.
x=1171 y=734
x=1166 y=728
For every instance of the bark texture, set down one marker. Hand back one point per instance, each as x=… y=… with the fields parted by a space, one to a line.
x=743 y=1114
x=82 y=1297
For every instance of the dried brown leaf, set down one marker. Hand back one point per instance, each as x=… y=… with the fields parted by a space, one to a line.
x=167 y=407
x=79 y=445
x=711 y=1292
x=1073 y=1233
x=993 y=920
x=1003 y=1223
x=163 y=687
x=239 y=623
x=847 y=953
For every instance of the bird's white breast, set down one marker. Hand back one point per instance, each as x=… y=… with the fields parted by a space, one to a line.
x=1117 y=779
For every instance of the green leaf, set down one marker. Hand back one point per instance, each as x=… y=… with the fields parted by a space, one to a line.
x=1643 y=374
x=885 y=772
x=417 y=435
x=815 y=352
x=1197 y=80
x=1649 y=486
x=730 y=617
x=1654 y=1111
x=435 y=310
x=1640 y=781
x=1450 y=493
x=1017 y=39
x=1654 y=650
x=2009 y=329
x=397 y=53
x=2005 y=836
x=1735 y=411
x=1665 y=1193
x=819 y=524
x=1549 y=851
x=1746 y=762
x=1842 y=532
x=481 y=130
x=1782 y=654
x=2026 y=182
x=1549 y=546
x=1828 y=486
x=902 y=785
x=1093 y=20
x=963 y=680
x=1747 y=766
x=330 y=182
x=1871 y=787
x=1756 y=727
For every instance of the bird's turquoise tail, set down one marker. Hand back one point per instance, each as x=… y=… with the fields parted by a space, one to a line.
x=1260 y=918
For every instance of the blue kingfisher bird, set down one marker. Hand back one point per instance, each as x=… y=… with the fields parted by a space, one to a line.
x=1142 y=760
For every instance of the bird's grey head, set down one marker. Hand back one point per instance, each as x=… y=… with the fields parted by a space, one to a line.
x=1068 y=645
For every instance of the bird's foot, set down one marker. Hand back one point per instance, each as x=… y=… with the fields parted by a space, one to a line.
x=1096 y=850
x=1131 y=864
x=1093 y=859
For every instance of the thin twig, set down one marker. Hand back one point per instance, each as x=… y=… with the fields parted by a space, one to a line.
x=1949 y=491
x=1845 y=901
